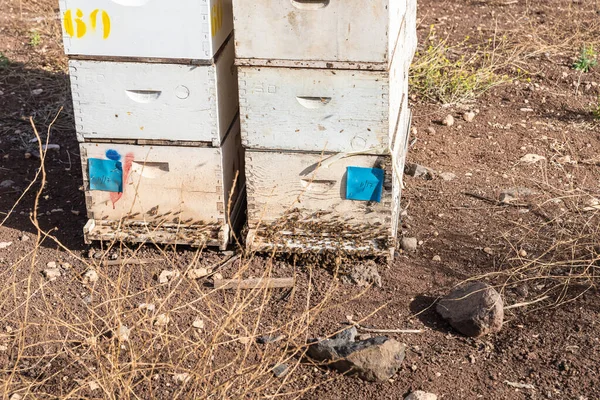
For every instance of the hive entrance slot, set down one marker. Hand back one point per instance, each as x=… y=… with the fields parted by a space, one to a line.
x=310 y=4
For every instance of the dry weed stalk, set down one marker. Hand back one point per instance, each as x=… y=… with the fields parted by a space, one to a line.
x=105 y=345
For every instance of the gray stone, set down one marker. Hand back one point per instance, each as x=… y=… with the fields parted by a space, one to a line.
x=281 y=370
x=514 y=194
x=6 y=184
x=419 y=171
x=409 y=244
x=420 y=395
x=474 y=309
x=373 y=359
x=269 y=339
x=365 y=274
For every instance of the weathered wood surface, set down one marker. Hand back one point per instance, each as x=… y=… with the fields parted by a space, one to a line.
x=117 y=100
x=253 y=283
x=350 y=31
x=167 y=189
x=191 y=29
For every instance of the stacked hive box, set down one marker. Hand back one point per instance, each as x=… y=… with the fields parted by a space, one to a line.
x=155 y=101
x=324 y=118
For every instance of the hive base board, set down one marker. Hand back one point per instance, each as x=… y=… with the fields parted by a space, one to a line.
x=290 y=242
x=214 y=235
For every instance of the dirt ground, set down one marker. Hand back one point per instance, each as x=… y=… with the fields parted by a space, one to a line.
x=553 y=345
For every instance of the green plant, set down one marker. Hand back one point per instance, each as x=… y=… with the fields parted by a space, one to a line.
x=3 y=60
x=35 y=39
x=587 y=59
x=457 y=73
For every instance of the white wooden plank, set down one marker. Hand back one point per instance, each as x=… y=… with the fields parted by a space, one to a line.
x=192 y=29
x=313 y=109
x=352 y=30
x=116 y=100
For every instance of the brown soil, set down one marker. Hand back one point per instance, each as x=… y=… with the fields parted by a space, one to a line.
x=552 y=345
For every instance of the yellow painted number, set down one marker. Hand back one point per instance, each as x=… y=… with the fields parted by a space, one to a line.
x=216 y=17
x=76 y=27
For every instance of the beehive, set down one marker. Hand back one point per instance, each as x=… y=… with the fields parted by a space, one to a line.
x=325 y=120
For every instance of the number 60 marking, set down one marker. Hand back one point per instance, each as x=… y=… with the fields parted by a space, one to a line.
x=76 y=27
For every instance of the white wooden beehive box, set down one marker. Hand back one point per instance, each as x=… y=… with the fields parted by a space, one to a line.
x=352 y=34
x=325 y=109
x=299 y=202
x=186 y=29
x=169 y=194
x=155 y=101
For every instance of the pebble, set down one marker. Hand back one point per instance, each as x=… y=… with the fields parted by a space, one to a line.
x=16 y=396
x=93 y=385
x=24 y=238
x=420 y=395
x=75 y=212
x=419 y=171
x=6 y=184
x=531 y=158
x=147 y=306
x=447 y=176
x=123 y=333
x=488 y=250
x=469 y=116
x=37 y=92
x=448 y=120
x=198 y=323
x=244 y=340
x=90 y=276
x=165 y=276
x=409 y=244
x=436 y=258
x=281 y=370
x=162 y=320
x=522 y=253
x=27 y=155
x=526 y=109
x=431 y=130
x=51 y=273
x=4 y=245
x=182 y=378
x=3 y=347
x=50 y=146
x=197 y=273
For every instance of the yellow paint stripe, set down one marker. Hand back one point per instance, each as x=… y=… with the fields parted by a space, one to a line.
x=68 y=22
x=93 y=18
x=106 y=24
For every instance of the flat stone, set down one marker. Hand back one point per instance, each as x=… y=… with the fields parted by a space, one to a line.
x=419 y=171
x=409 y=244
x=281 y=370
x=511 y=195
x=474 y=309
x=447 y=176
x=420 y=395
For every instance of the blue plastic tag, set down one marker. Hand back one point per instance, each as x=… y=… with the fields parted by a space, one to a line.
x=364 y=184
x=105 y=175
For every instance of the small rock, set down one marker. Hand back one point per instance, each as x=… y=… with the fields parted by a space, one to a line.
x=431 y=130
x=16 y=396
x=24 y=238
x=6 y=184
x=162 y=320
x=564 y=160
x=488 y=250
x=448 y=120
x=420 y=395
x=123 y=333
x=147 y=306
x=37 y=92
x=3 y=347
x=75 y=212
x=93 y=385
x=512 y=195
x=66 y=266
x=91 y=341
x=365 y=274
x=418 y=171
x=447 y=176
x=436 y=258
x=182 y=378
x=281 y=370
x=376 y=359
x=244 y=340
x=90 y=276
x=51 y=273
x=269 y=339
x=409 y=244
x=4 y=245
x=469 y=116
x=165 y=276
x=51 y=146
x=198 y=323
x=27 y=155
x=197 y=273
x=218 y=276
x=522 y=253
x=526 y=109
x=531 y=158
x=474 y=309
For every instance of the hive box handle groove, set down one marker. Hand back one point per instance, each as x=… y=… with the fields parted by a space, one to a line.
x=143 y=96
x=131 y=3
x=320 y=186
x=310 y=4
x=313 y=102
